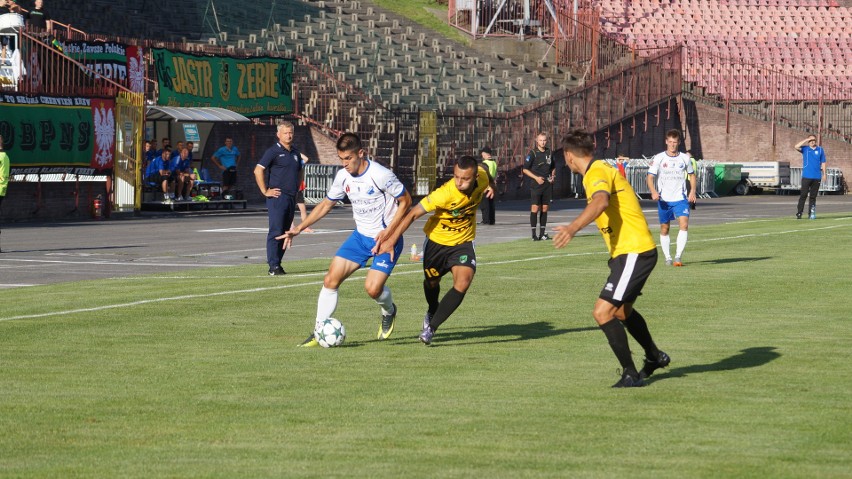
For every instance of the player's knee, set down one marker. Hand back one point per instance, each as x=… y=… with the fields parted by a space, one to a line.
x=373 y=290
x=331 y=282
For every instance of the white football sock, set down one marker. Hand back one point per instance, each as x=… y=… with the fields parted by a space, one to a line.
x=326 y=304
x=681 y=242
x=385 y=300
x=666 y=245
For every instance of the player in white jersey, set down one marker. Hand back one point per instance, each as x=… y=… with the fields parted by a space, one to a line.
x=667 y=183
x=376 y=195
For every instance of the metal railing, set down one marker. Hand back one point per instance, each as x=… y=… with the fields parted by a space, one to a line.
x=318 y=179
x=833 y=180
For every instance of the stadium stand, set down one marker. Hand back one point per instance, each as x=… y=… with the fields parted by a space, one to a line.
x=809 y=39
x=356 y=42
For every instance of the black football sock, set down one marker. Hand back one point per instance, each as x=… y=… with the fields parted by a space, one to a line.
x=638 y=328
x=617 y=338
x=542 y=222
x=533 y=219
x=449 y=304
x=431 y=294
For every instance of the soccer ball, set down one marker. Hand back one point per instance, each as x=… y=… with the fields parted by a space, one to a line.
x=330 y=333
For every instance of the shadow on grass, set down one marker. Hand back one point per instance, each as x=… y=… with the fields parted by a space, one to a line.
x=747 y=358
x=732 y=260
x=502 y=333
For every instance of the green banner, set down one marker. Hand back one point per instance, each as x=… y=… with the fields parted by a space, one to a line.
x=58 y=131
x=249 y=86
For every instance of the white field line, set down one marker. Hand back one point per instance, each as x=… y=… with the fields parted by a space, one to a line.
x=314 y=283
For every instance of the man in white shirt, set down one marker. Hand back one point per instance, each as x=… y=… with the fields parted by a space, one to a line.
x=667 y=183
x=376 y=196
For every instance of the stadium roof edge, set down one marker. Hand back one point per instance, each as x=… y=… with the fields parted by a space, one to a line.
x=212 y=114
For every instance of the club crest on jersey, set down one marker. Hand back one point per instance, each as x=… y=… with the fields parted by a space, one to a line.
x=347 y=189
x=371 y=191
x=455 y=213
x=463 y=259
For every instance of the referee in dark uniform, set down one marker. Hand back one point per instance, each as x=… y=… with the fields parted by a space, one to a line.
x=539 y=167
x=284 y=165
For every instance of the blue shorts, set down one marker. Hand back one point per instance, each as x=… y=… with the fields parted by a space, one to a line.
x=358 y=249
x=669 y=211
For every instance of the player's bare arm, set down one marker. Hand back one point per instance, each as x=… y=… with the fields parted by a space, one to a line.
x=406 y=220
x=651 y=180
x=534 y=176
x=317 y=213
x=693 y=187
x=565 y=233
x=402 y=210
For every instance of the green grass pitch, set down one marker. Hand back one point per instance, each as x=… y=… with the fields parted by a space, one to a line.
x=197 y=374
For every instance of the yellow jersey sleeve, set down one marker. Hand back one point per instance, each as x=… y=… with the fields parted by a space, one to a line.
x=453 y=219
x=622 y=224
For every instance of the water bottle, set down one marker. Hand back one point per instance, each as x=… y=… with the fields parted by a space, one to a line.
x=414 y=252
x=812 y=216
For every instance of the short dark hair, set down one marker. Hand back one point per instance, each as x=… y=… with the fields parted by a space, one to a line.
x=348 y=142
x=579 y=142
x=466 y=162
x=673 y=133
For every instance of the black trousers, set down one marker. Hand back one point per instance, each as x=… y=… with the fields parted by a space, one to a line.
x=487 y=207
x=810 y=188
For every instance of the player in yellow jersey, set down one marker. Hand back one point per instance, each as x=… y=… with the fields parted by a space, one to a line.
x=612 y=204
x=449 y=239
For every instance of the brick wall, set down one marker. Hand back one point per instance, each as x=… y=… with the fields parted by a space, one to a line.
x=751 y=140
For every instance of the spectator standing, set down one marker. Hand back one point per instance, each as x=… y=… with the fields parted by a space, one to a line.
x=378 y=202
x=666 y=181
x=227 y=158
x=450 y=233
x=5 y=165
x=282 y=163
x=813 y=172
x=613 y=206
x=539 y=167
x=38 y=18
x=488 y=206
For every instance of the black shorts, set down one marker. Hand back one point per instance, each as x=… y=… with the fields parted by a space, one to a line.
x=300 y=197
x=438 y=259
x=541 y=194
x=229 y=176
x=628 y=273
x=158 y=178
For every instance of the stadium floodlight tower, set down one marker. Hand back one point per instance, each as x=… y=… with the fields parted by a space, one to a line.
x=526 y=21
